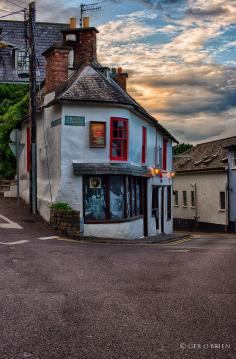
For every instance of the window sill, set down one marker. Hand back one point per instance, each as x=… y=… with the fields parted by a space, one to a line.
x=185 y=206
x=193 y=207
x=222 y=210
x=111 y=221
x=176 y=205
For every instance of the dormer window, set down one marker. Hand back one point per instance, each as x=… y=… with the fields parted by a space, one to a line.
x=234 y=158
x=22 y=63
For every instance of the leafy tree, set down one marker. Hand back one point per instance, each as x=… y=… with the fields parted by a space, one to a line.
x=13 y=107
x=181 y=148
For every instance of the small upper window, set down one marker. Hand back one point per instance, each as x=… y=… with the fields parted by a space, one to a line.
x=185 y=203
x=222 y=200
x=119 y=139
x=22 y=62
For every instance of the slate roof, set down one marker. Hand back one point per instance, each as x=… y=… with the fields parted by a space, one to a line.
x=90 y=85
x=13 y=32
x=205 y=156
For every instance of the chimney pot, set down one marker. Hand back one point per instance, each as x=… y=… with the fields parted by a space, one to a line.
x=73 y=23
x=120 y=70
x=86 y=21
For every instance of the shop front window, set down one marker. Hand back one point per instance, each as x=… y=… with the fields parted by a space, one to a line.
x=95 y=198
x=117 y=197
x=112 y=198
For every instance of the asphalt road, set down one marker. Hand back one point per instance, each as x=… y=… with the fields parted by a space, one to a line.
x=63 y=299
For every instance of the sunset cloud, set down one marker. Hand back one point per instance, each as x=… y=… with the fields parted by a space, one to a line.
x=180 y=56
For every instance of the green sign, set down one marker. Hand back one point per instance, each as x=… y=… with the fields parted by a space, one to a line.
x=74 y=121
x=56 y=122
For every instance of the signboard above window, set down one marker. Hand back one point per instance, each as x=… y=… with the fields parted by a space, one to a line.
x=74 y=121
x=97 y=134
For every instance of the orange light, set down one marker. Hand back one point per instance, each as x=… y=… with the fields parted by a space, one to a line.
x=172 y=174
x=157 y=171
x=152 y=171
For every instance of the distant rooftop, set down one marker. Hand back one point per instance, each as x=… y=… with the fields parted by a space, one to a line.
x=205 y=156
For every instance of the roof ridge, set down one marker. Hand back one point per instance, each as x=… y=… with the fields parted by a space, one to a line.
x=222 y=139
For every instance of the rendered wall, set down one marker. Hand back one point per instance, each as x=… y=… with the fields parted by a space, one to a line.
x=209 y=185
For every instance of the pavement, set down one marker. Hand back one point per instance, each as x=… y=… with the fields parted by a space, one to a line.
x=66 y=299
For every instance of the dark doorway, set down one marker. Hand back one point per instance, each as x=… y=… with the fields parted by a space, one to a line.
x=155 y=205
x=145 y=208
x=162 y=209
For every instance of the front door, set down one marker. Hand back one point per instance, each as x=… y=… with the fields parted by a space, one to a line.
x=155 y=205
x=145 y=207
x=162 y=209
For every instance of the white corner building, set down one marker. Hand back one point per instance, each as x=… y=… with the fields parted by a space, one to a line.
x=97 y=148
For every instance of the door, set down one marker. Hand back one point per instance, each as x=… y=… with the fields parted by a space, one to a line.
x=155 y=205
x=162 y=209
x=145 y=207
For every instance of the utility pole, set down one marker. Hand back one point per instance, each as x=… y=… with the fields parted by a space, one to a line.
x=32 y=89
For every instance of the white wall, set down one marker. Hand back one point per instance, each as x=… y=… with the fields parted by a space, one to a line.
x=209 y=185
x=124 y=230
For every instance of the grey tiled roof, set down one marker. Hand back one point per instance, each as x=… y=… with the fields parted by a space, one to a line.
x=13 y=32
x=90 y=85
x=205 y=156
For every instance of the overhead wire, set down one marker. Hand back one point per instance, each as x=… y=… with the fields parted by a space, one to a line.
x=13 y=3
x=11 y=13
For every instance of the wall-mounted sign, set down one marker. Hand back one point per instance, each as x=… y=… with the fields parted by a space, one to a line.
x=97 y=134
x=55 y=123
x=74 y=121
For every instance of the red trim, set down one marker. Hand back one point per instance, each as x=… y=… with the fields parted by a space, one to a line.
x=28 y=149
x=120 y=137
x=144 y=144
x=164 y=163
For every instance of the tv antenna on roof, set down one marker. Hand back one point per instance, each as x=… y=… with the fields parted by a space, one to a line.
x=88 y=8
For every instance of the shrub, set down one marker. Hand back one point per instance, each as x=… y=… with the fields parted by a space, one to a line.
x=61 y=206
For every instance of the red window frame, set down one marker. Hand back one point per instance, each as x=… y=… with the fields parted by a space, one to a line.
x=121 y=138
x=28 y=161
x=164 y=162
x=144 y=145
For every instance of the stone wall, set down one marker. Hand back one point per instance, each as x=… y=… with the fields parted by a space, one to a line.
x=66 y=222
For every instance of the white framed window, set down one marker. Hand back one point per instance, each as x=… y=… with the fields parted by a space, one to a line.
x=193 y=199
x=21 y=61
x=176 y=197
x=185 y=200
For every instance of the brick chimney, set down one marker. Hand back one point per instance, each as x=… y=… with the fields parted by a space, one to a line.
x=120 y=77
x=83 y=41
x=56 y=67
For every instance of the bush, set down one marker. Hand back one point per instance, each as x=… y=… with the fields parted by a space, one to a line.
x=14 y=103
x=61 y=206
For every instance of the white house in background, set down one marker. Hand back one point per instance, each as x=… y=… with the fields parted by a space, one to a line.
x=205 y=187
x=97 y=148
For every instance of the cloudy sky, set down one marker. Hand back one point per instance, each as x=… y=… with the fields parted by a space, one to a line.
x=180 y=56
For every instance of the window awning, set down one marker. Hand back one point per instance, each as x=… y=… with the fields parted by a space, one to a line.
x=109 y=168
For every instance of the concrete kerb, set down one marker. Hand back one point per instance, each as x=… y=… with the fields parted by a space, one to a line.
x=162 y=239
